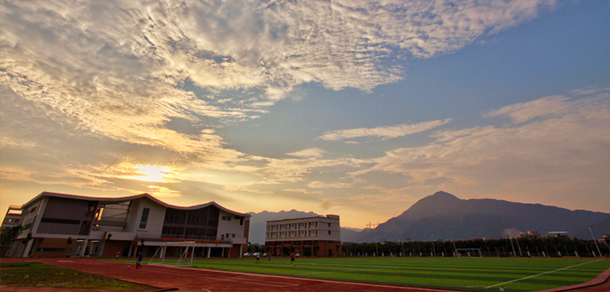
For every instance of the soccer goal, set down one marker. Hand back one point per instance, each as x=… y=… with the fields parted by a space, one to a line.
x=187 y=252
x=468 y=252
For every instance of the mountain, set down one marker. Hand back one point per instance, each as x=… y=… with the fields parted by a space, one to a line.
x=258 y=224
x=445 y=216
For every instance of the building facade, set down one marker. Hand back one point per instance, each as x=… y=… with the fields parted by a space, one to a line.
x=58 y=225
x=312 y=236
x=12 y=218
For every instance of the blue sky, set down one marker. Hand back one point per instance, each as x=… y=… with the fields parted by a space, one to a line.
x=355 y=108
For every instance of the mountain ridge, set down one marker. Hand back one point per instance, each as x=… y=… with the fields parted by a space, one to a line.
x=443 y=215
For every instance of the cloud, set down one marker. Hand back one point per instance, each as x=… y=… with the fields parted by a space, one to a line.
x=272 y=46
x=309 y=152
x=383 y=132
x=544 y=151
x=323 y=185
x=526 y=111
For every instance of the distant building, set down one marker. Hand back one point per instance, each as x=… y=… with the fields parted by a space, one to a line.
x=12 y=217
x=58 y=225
x=312 y=236
x=530 y=235
x=557 y=234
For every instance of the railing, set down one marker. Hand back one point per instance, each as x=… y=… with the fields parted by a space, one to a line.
x=182 y=236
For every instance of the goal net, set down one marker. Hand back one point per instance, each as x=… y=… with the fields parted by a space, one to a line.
x=186 y=254
x=468 y=252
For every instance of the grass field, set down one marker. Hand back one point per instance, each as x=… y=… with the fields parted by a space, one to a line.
x=481 y=274
x=36 y=274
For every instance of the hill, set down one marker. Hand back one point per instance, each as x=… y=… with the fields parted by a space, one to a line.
x=445 y=216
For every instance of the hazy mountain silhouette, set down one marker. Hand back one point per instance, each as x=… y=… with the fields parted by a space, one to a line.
x=445 y=216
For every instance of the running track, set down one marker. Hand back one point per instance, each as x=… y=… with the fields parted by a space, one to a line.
x=188 y=279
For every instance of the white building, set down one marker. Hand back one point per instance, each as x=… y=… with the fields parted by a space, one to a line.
x=60 y=225
x=311 y=236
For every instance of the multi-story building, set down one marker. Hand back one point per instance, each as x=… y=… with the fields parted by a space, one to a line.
x=12 y=217
x=312 y=236
x=58 y=225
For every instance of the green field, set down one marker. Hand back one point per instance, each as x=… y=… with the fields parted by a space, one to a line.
x=481 y=274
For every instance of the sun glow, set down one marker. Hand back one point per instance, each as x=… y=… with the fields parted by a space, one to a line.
x=152 y=173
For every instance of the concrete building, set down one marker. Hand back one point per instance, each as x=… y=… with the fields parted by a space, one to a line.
x=12 y=217
x=58 y=225
x=312 y=236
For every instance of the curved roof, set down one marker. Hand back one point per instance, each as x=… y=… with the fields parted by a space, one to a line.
x=131 y=198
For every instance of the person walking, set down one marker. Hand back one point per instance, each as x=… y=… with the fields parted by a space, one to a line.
x=138 y=265
x=258 y=258
x=292 y=259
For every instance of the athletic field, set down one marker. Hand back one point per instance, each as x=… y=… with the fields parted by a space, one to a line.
x=479 y=274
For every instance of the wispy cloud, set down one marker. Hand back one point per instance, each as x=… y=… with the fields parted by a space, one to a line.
x=539 y=152
x=386 y=132
x=323 y=185
x=309 y=152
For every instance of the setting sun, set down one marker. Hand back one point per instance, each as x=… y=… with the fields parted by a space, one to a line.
x=152 y=173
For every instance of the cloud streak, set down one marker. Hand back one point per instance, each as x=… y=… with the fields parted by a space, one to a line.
x=386 y=132
x=550 y=142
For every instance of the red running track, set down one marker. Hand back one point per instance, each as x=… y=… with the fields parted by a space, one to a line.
x=189 y=279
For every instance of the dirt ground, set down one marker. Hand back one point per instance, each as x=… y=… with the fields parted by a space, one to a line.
x=188 y=279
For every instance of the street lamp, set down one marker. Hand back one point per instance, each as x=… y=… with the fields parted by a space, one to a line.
x=595 y=241
x=433 y=249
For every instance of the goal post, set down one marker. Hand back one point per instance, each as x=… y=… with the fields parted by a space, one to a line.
x=187 y=253
x=468 y=252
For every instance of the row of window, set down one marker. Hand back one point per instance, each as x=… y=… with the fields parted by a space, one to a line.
x=227 y=236
x=192 y=218
x=294 y=226
x=294 y=234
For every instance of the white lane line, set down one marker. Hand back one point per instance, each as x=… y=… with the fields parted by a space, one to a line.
x=549 y=272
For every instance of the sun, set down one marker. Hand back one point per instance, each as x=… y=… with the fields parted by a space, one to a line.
x=152 y=173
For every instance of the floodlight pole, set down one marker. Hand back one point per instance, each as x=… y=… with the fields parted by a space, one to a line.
x=433 y=249
x=511 y=244
x=595 y=241
x=377 y=249
x=403 y=248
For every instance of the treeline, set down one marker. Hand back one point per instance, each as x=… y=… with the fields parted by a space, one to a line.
x=535 y=247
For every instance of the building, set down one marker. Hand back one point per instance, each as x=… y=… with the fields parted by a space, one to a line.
x=312 y=236
x=58 y=225
x=530 y=235
x=12 y=217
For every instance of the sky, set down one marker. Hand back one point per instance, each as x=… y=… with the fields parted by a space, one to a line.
x=349 y=107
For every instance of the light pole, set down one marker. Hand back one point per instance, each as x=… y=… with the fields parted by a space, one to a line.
x=433 y=249
x=511 y=244
x=377 y=249
x=519 y=247
x=595 y=241
x=403 y=248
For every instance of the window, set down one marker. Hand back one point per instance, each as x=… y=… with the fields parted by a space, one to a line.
x=241 y=221
x=328 y=224
x=328 y=232
x=144 y=218
x=226 y=218
x=233 y=235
